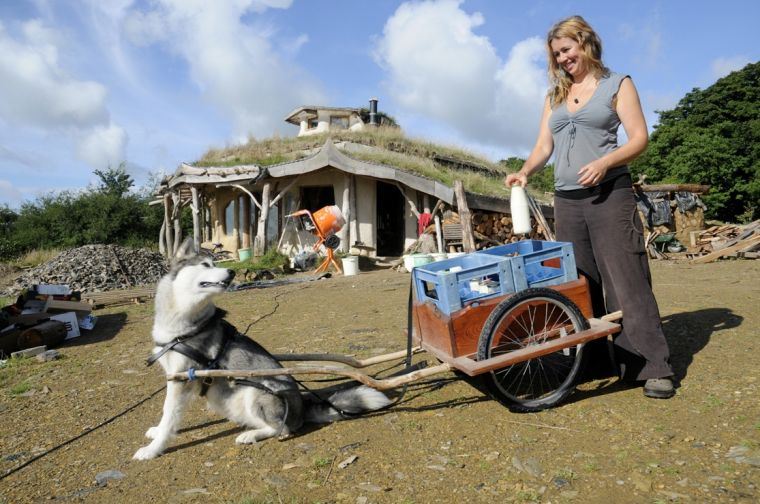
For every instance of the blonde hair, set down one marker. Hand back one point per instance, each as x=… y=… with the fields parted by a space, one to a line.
x=575 y=28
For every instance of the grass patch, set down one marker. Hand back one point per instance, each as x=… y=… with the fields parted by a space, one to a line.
x=20 y=388
x=273 y=259
x=443 y=163
x=713 y=401
x=322 y=462
x=12 y=368
x=566 y=474
x=35 y=257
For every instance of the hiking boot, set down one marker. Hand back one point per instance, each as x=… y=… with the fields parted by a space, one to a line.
x=659 y=388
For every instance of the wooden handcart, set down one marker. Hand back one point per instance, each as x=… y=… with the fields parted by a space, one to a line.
x=481 y=315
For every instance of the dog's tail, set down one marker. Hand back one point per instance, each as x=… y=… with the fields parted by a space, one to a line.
x=346 y=402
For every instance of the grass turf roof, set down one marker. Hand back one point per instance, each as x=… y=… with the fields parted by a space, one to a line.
x=392 y=148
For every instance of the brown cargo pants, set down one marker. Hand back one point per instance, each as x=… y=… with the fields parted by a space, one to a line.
x=607 y=237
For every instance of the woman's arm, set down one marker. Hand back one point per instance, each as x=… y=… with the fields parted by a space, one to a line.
x=540 y=154
x=628 y=108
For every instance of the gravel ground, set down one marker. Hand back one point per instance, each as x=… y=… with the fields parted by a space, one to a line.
x=446 y=442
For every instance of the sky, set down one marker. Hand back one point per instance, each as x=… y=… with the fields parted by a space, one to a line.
x=88 y=84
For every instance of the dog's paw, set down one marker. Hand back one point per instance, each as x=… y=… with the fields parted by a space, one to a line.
x=152 y=433
x=146 y=453
x=248 y=437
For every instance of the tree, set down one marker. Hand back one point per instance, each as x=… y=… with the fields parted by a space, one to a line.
x=712 y=137
x=542 y=180
x=115 y=181
x=106 y=213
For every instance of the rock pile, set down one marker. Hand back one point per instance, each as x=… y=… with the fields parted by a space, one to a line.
x=96 y=268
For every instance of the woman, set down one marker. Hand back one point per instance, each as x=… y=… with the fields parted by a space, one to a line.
x=594 y=205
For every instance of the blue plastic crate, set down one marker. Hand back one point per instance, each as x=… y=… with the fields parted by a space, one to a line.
x=528 y=262
x=449 y=284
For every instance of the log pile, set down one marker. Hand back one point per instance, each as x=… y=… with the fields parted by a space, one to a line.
x=96 y=268
x=728 y=240
x=493 y=228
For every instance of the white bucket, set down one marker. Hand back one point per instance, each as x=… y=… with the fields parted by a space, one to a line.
x=412 y=260
x=439 y=256
x=351 y=265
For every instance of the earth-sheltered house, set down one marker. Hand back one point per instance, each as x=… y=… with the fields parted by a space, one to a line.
x=383 y=182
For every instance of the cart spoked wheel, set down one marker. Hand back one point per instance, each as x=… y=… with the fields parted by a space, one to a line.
x=529 y=318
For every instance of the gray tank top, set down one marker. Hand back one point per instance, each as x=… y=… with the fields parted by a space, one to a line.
x=586 y=134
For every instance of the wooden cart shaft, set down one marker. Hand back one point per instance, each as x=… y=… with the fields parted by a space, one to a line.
x=599 y=328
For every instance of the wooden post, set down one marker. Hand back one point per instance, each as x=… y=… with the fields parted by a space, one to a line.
x=353 y=224
x=236 y=220
x=176 y=211
x=439 y=236
x=468 y=240
x=426 y=203
x=245 y=226
x=196 y=208
x=259 y=245
x=162 y=239
x=168 y=236
x=344 y=233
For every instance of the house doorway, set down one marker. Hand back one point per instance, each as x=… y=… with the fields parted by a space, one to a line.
x=315 y=197
x=390 y=220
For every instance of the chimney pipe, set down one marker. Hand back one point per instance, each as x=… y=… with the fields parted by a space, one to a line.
x=373 y=112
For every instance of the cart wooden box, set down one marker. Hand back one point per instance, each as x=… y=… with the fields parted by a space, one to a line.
x=457 y=335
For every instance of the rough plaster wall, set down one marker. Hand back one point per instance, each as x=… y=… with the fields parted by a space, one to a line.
x=229 y=242
x=366 y=210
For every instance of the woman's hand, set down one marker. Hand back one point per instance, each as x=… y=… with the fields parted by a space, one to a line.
x=592 y=174
x=516 y=178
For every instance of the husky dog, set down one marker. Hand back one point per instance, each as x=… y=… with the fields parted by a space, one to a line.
x=190 y=332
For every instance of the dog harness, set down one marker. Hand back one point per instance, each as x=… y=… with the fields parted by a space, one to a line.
x=178 y=345
x=228 y=331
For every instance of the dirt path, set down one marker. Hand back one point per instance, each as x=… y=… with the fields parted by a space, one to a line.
x=446 y=442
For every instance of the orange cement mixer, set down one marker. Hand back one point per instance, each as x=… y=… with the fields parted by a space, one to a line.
x=324 y=223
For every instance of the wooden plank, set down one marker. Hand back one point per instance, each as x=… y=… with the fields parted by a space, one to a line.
x=468 y=240
x=196 y=208
x=599 y=329
x=727 y=251
x=693 y=188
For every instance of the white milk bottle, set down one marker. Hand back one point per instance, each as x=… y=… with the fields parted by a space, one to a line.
x=518 y=203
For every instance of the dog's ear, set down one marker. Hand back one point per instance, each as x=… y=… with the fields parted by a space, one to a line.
x=185 y=250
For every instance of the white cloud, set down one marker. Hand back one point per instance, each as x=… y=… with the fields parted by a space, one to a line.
x=723 y=66
x=438 y=67
x=37 y=92
x=237 y=66
x=144 y=28
x=9 y=193
x=103 y=146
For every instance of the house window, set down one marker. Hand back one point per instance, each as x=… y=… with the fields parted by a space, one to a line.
x=338 y=122
x=229 y=218
x=312 y=123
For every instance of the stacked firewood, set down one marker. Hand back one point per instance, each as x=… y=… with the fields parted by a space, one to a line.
x=728 y=240
x=493 y=228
